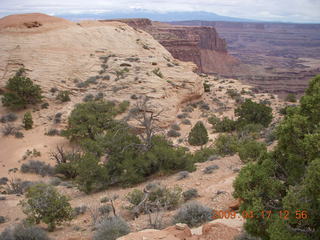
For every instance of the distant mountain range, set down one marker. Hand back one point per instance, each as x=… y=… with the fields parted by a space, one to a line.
x=155 y=16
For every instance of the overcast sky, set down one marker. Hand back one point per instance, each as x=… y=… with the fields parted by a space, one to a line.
x=274 y=10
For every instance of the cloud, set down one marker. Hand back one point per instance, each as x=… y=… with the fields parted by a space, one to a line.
x=274 y=10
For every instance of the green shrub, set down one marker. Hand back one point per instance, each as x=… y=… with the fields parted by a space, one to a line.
x=111 y=229
x=251 y=112
x=87 y=120
x=53 y=132
x=2 y=219
x=22 y=92
x=194 y=214
x=88 y=97
x=135 y=197
x=173 y=133
x=233 y=93
x=190 y=194
x=159 y=197
x=157 y=72
x=18 y=135
x=105 y=210
x=206 y=87
x=27 y=121
x=245 y=236
x=203 y=154
x=63 y=96
x=224 y=125
x=44 y=203
x=249 y=131
x=23 y=232
x=226 y=145
x=251 y=150
x=198 y=135
x=291 y=98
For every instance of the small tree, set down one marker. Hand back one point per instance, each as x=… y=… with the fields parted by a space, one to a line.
x=21 y=91
x=198 y=135
x=44 y=203
x=251 y=112
x=27 y=121
x=291 y=98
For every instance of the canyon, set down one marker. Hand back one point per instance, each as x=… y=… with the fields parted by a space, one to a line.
x=200 y=45
x=275 y=57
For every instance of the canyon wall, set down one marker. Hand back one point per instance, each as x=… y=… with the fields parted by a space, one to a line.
x=201 y=45
x=275 y=57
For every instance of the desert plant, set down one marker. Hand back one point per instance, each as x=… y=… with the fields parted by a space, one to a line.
x=44 y=203
x=204 y=154
x=111 y=228
x=21 y=92
x=193 y=214
x=182 y=175
x=226 y=145
x=88 y=97
x=251 y=112
x=198 y=135
x=8 y=129
x=2 y=219
x=210 y=169
x=10 y=117
x=190 y=194
x=206 y=87
x=186 y=122
x=23 y=232
x=17 y=186
x=27 y=121
x=63 y=96
x=173 y=133
x=53 y=132
x=105 y=209
x=157 y=72
x=37 y=167
x=18 y=135
x=80 y=210
x=251 y=150
x=44 y=105
x=291 y=98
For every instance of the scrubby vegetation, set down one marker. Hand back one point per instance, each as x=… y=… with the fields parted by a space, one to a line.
x=111 y=229
x=44 y=203
x=198 y=135
x=251 y=112
x=27 y=121
x=21 y=92
x=24 y=232
x=193 y=214
x=286 y=179
x=157 y=196
x=63 y=96
x=131 y=158
x=37 y=167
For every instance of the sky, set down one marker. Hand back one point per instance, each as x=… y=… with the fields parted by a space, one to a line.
x=265 y=10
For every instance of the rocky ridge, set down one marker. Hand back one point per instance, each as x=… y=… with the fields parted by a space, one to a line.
x=201 y=45
x=117 y=59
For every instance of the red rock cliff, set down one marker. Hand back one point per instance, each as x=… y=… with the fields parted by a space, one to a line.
x=201 y=45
